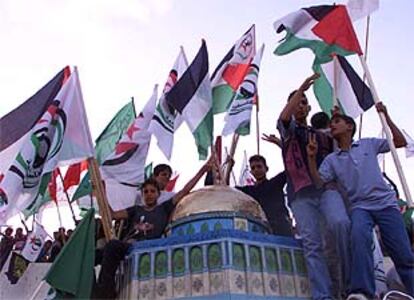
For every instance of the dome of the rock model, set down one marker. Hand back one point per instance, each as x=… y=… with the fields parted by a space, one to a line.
x=218 y=198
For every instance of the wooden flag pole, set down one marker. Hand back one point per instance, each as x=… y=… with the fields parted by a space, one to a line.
x=67 y=198
x=364 y=77
x=388 y=134
x=98 y=188
x=58 y=212
x=233 y=146
x=335 y=85
x=257 y=126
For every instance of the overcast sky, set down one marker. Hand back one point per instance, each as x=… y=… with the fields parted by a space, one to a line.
x=122 y=48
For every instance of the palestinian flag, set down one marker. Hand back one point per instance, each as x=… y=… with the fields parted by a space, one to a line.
x=191 y=96
x=239 y=114
x=230 y=72
x=354 y=96
x=325 y=29
x=166 y=119
x=126 y=163
x=59 y=136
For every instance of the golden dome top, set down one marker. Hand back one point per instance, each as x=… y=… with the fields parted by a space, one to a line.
x=218 y=198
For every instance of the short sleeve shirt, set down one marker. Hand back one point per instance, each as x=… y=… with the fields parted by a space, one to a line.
x=358 y=172
x=294 y=142
x=158 y=217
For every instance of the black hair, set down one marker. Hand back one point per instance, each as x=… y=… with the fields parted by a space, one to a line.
x=348 y=120
x=160 y=168
x=259 y=158
x=153 y=182
x=320 y=120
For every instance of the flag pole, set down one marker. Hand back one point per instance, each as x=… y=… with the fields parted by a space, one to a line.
x=233 y=146
x=335 y=85
x=97 y=185
x=67 y=198
x=257 y=126
x=58 y=212
x=388 y=134
x=364 y=77
x=98 y=188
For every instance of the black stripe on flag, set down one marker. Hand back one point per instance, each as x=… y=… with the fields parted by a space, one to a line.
x=319 y=12
x=182 y=92
x=361 y=90
x=19 y=121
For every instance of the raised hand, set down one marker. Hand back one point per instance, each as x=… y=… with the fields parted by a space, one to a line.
x=308 y=82
x=271 y=138
x=381 y=108
x=312 y=146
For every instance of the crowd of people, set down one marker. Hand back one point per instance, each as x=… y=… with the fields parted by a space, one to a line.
x=17 y=242
x=335 y=191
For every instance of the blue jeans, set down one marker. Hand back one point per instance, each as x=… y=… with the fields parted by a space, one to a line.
x=310 y=208
x=395 y=239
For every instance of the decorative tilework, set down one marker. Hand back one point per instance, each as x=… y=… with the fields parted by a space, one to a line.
x=300 y=262
x=239 y=257
x=144 y=266
x=286 y=260
x=214 y=256
x=218 y=226
x=161 y=264
x=178 y=262
x=240 y=224
x=196 y=259
x=255 y=259
x=287 y=285
x=272 y=264
x=190 y=229
x=204 y=227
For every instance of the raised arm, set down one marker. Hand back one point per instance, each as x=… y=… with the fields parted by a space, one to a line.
x=397 y=135
x=193 y=181
x=290 y=107
x=271 y=138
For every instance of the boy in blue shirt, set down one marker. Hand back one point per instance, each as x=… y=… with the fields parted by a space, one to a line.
x=355 y=166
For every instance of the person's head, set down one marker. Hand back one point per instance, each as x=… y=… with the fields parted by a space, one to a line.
x=19 y=231
x=69 y=233
x=47 y=245
x=162 y=174
x=56 y=235
x=258 y=167
x=9 y=231
x=303 y=109
x=342 y=125
x=150 y=192
x=320 y=120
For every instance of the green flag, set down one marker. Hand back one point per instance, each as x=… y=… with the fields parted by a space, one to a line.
x=105 y=143
x=72 y=272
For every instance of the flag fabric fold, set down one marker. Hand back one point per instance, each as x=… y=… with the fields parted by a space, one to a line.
x=126 y=164
x=60 y=136
x=238 y=117
x=72 y=272
x=191 y=97
x=354 y=96
x=358 y=9
x=231 y=71
x=166 y=119
x=105 y=143
x=325 y=29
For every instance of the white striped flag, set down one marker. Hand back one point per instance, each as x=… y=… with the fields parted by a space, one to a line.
x=191 y=96
x=166 y=119
x=231 y=71
x=51 y=130
x=240 y=111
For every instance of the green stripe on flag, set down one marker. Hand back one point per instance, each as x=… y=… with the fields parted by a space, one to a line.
x=222 y=98
x=203 y=135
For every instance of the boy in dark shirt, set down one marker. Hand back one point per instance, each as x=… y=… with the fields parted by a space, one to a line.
x=269 y=194
x=148 y=222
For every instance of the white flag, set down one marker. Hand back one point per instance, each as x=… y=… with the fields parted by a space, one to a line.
x=409 y=149
x=34 y=243
x=59 y=137
x=358 y=9
x=246 y=178
x=166 y=119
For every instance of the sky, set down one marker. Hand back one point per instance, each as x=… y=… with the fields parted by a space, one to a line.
x=122 y=48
